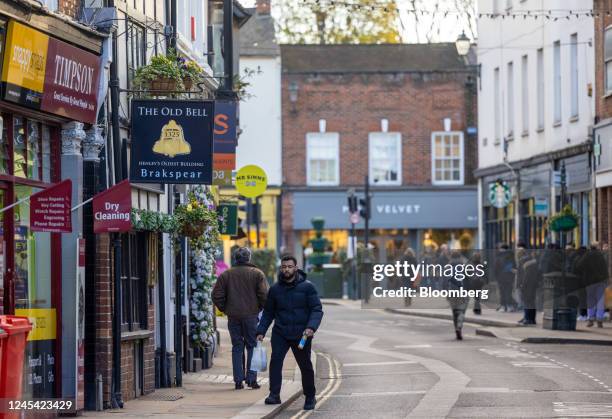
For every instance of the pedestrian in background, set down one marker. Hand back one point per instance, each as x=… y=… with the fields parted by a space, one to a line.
x=240 y=292
x=529 y=281
x=477 y=283
x=504 y=271
x=294 y=306
x=458 y=304
x=595 y=275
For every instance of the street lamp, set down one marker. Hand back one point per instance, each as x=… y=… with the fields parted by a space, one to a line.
x=293 y=95
x=463 y=44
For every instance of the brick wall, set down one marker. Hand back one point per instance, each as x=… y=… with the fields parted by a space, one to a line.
x=353 y=105
x=69 y=7
x=104 y=322
x=603 y=105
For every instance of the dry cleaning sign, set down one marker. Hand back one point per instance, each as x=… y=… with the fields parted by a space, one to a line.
x=171 y=141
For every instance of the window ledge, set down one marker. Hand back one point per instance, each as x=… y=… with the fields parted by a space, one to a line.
x=497 y=141
x=607 y=95
x=540 y=129
x=557 y=124
x=574 y=119
x=136 y=335
x=525 y=134
x=510 y=137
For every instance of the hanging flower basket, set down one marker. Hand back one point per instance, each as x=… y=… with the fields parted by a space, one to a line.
x=193 y=230
x=163 y=84
x=566 y=220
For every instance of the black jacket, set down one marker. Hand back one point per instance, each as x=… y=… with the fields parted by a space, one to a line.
x=294 y=307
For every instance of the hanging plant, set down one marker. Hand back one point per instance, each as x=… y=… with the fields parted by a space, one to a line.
x=204 y=251
x=565 y=220
x=194 y=216
x=162 y=74
x=146 y=220
x=191 y=72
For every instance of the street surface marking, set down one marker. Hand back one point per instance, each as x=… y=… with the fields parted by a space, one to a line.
x=412 y=346
x=330 y=388
x=376 y=364
x=582 y=410
x=536 y=364
x=440 y=399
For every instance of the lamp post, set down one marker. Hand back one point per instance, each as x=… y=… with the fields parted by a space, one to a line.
x=463 y=46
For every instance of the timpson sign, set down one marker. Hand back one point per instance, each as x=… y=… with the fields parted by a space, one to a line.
x=47 y=74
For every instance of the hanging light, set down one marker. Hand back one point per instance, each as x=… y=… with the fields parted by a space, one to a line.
x=463 y=44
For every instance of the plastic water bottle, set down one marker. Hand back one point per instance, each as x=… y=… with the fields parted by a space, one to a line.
x=303 y=341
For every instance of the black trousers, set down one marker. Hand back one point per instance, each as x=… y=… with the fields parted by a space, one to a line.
x=280 y=347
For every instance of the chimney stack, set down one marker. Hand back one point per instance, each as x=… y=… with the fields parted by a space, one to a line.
x=263 y=7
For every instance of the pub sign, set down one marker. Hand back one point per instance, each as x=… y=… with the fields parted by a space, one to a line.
x=172 y=141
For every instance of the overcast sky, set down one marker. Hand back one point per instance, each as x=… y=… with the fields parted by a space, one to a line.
x=440 y=27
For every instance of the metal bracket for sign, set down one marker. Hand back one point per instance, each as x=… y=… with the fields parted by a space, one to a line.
x=173 y=92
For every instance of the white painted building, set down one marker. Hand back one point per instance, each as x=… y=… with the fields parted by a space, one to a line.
x=535 y=112
x=260 y=112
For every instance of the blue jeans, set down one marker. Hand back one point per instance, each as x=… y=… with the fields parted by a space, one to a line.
x=595 y=300
x=242 y=333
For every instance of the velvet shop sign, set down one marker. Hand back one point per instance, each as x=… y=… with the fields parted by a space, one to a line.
x=50 y=209
x=172 y=141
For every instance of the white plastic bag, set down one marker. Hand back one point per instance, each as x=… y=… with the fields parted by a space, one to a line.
x=259 y=362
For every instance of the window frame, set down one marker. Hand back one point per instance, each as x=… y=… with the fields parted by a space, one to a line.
x=134 y=298
x=497 y=128
x=397 y=136
x=557 y=84
x=525 y=94
x=540 y=88
x=133 y=60
x=333 y=136
x=461 y=180
x=574 y=74
x=510 y=99
x=607 y=61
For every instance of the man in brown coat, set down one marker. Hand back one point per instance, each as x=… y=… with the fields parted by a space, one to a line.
x=240 y=292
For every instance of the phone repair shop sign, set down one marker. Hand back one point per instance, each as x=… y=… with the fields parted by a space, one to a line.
x=172 y=142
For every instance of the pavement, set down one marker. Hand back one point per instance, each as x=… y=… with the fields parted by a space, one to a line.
x=210 y=393
x=380 y=364
x=504 y=325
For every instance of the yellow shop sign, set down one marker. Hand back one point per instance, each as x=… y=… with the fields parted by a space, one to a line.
x=43 y=322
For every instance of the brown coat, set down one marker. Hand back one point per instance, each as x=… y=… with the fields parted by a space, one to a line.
x=241 y=291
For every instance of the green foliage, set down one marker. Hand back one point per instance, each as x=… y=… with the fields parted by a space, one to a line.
x=330 y=23
x=265 y=259
x=564 y=220
x=146 y=220
x=160 y=67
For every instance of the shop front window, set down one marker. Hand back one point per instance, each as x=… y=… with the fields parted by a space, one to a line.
x=133 y=282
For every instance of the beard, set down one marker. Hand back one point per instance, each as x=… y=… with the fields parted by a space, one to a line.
x=287 y=276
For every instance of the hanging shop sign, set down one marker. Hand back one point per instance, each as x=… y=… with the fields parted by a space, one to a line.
x=172 y=141
x=540 y=207
x=47 y=74
x=112 y=208
x=50 y=209
x=499 y=194
x=223 y=166
x=228 y=211
x=225 y=135
x=251 y=181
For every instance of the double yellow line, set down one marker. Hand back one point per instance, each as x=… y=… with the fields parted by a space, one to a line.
x=335 y=379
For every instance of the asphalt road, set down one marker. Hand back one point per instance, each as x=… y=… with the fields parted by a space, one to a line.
x=374 y=364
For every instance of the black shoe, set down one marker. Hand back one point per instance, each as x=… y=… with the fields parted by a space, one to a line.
x=239 y=386
x=273 y=399
x=522 y=321
x=309 y=403
x=459 y=334
x=477 y=311
x=254 y=385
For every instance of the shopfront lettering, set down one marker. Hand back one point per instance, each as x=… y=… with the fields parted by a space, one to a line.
x=392 y=209
x=169 y=174
x=27 y=60
x=73 y=75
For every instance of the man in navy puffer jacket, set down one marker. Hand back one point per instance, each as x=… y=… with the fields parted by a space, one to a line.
x=294 y=305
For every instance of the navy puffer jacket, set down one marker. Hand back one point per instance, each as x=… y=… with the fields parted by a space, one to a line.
x=294 y=307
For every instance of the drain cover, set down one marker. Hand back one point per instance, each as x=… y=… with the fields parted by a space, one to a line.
x=165 y=395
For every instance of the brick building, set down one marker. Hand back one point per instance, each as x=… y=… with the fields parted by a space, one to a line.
x=602 y=135
x=398 y=113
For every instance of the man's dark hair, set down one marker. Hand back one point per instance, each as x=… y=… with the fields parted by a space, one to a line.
x=289 y=257
x=242 y=255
